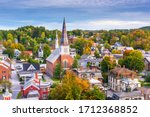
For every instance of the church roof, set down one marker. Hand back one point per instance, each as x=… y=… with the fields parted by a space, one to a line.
x=53 y=57
x=64 y=38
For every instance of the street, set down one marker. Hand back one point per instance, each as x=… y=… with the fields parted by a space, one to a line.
x=15 y=84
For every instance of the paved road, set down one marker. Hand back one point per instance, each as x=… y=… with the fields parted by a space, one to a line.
x=15 y=84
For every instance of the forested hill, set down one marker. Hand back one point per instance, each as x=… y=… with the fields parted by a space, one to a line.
x=145 y=28
x=30 y=37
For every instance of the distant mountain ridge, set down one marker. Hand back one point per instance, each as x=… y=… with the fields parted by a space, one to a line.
x=145 y=28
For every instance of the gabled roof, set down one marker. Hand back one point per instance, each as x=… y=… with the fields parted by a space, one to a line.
x=29 y=84
x=147 y=59
x=128 y=94
x=53 y=57
x=27 y=65
x=122 y=72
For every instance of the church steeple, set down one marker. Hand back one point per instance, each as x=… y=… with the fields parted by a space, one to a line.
x=56 y=42
x=64 y=38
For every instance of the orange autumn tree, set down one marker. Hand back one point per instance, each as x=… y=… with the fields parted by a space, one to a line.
x=75 y=88
x=71 y=88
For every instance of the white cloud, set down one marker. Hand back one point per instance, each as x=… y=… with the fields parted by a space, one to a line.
x=90 y=25
x=7 y=27
x=99 y=24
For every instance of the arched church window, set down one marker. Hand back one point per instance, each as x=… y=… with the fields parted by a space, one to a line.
x=65 y=64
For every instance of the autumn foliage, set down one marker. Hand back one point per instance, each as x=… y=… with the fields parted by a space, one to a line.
x=72 y=88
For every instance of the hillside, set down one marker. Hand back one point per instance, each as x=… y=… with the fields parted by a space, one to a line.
x=145 y=28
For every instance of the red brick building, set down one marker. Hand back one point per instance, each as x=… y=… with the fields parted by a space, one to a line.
x=60 y=54
x=5 y=70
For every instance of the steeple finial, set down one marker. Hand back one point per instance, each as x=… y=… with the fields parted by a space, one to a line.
x=64 y=38
x=56 y=42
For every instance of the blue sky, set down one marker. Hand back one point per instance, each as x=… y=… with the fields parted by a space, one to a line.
x=80 y=14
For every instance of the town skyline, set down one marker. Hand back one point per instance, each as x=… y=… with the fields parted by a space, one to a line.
x=81 y=14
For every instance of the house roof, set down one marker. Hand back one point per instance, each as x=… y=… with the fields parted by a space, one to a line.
x=53 y=57
x=93 y=81
x=147 y=59
x=30 y=83
x=27 y=65
x=28 y=52
x=128 y=94
x=122 y=72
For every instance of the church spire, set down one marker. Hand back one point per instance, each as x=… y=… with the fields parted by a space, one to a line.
x=64 y=38
x=56 y=42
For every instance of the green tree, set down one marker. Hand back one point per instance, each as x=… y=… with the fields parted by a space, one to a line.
x=43 y=35
x=96 y=54
x=75 y=63
x=10 y=52
x=137 y=54
x=58 y=71
x=133 y=60
x=107 y=45
x=10 y=37
x=147 y=79
x=46 y=50
x=5 y=84
x=107 y=64
x=94 y=94
x=24 y=56
x=133 y=63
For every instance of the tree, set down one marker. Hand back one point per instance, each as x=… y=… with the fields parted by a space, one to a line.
x=46 y=50
x=133 y=60
x=5 y=84
x=125 y=40
x=10 y=52
x=107 y=45
x=116 y=51
x=147 y=79
x=88 y=64
x=24 y=56
x=43 y=35
x=107 y=64
x=137 y=54
x=71 y=88
x=94 y=94
x=10 y=37
x=75 y=63
x=96 y=54
x=58 y=71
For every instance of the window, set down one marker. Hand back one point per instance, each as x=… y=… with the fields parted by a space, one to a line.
x=65 y=64
x=44 y=96
x=44 y=89
x=3 y=72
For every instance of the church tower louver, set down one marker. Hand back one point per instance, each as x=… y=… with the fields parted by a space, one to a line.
x=61 y=54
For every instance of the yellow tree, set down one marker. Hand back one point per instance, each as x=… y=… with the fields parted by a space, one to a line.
x=71 y=88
